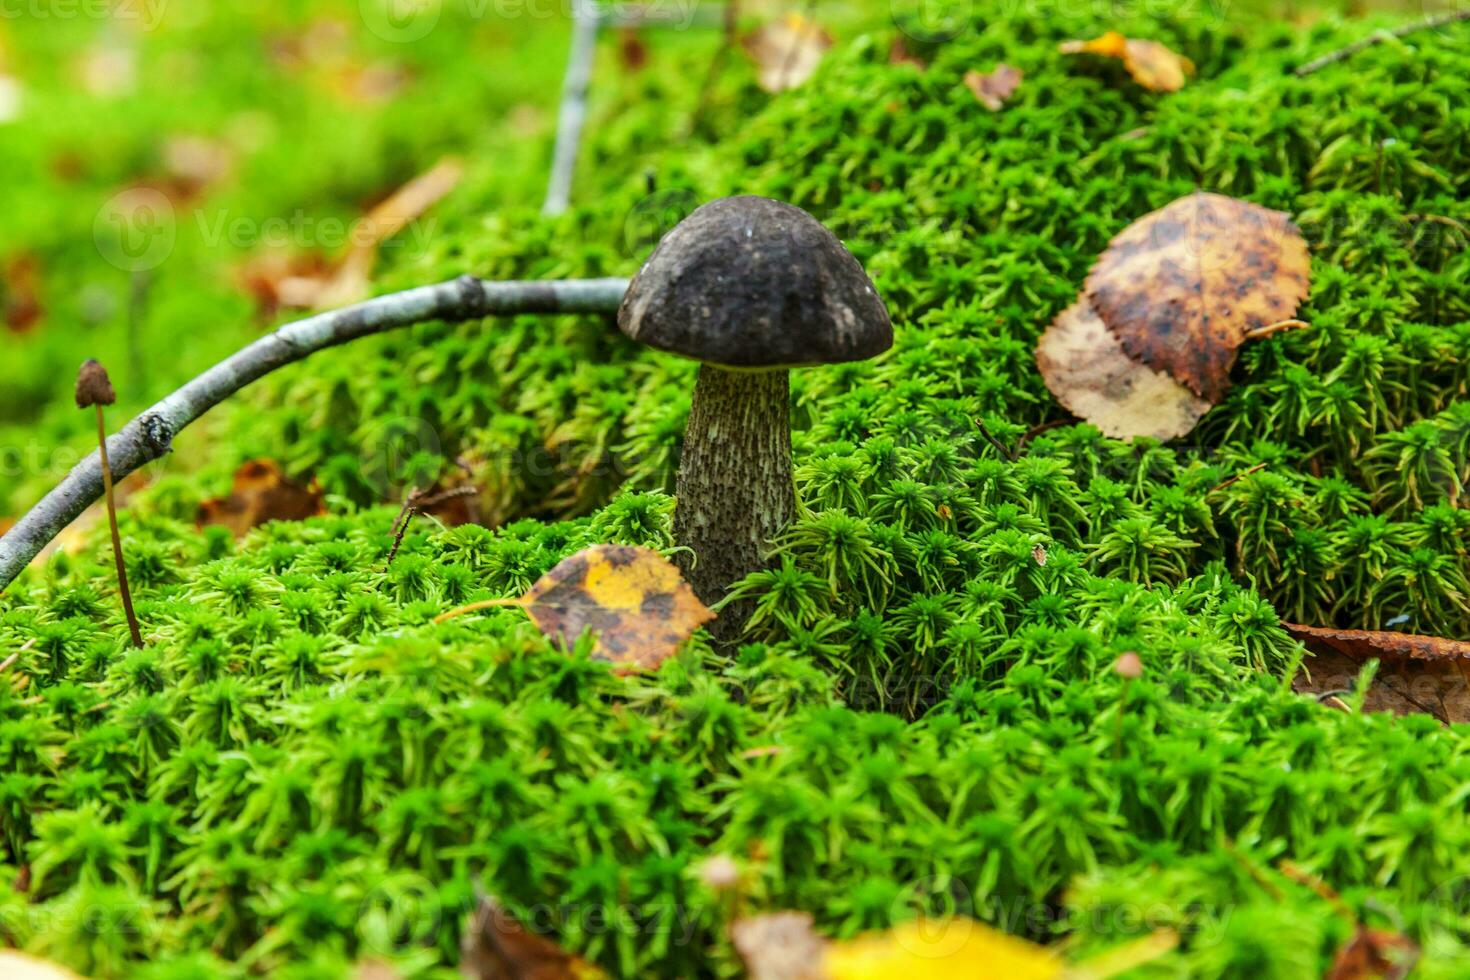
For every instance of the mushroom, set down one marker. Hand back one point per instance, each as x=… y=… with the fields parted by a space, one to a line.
x=749 y=287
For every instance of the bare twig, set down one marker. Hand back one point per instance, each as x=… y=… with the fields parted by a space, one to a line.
x=1261 y=333
x=416 y=503
x=1005 y=453
x=586 y=20
x=1237 y=478
x=150 y=435
x=1037 y=430
x=1331 y=58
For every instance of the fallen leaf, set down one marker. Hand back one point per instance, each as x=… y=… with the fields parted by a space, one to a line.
x=632 y=51
x=779 y=946
x=195 y=162
x=11 y=98
x=1085 y=367
x=1184 y=286
x=19 y=966
x=786 y=51
x=899 y=54
x=261 y=493
x=375 y=970
x=1038 y=555
x=496 y=946
x=939 y=949
x=636 y=602
x=1374 y=954
x=992 y=88
x=1416 y=674
x=1151 y=64
x=20 y=292
x=310 y=281
x=108 y=70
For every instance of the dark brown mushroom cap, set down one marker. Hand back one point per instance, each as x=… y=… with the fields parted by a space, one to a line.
x=747 y=282
x=93 y=386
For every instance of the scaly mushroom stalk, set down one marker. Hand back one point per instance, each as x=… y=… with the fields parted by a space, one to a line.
x=735 y=489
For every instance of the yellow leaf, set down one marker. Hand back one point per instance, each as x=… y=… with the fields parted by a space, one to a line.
x=787 y=51
x=637 y=603
x=939 y=949
x=1151 y=64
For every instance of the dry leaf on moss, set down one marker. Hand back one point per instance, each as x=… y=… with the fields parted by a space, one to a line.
x=1086 y=369
x=496 y=946
x=779 y=946
x=1184 y=286
x=939 y=949
x=1374 y=954
x=1151 y=64
x=899 y=54
x=280 y=280
x=261 y=493
x=786 y=51
x=20 y=292
x=635 y=601
x=1416 y=674
x=19 y=966
x=992 y=88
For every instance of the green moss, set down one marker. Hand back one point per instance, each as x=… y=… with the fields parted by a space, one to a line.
x=301 y=769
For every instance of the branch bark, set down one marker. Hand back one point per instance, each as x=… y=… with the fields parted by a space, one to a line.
x=1341 y=54
x=150 y=435
x=586 y=21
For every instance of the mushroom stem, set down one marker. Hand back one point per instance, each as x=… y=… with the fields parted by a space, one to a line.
x=735 y=489
x=117 y=552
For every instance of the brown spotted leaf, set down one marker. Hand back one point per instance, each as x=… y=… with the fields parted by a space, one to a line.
x=1416 y=674
x=261 y=493
x=786 y=51
x=1184 y=286
x=1084 y=366
x=497 y=946
x=1151 y=64
x=634 y=600
x=992 y=88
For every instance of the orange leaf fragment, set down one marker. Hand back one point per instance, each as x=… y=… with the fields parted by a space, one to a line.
x=994 y=87
x=786 y=51
x=497 y=946
x=636 y=602
x=1184 y=286
x=261 y=493
x=1151 y=64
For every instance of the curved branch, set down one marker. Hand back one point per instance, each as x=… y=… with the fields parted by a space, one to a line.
x=150 y=435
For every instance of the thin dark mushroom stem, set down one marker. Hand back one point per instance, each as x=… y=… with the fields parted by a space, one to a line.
x=117 y=553
x=150 y=435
